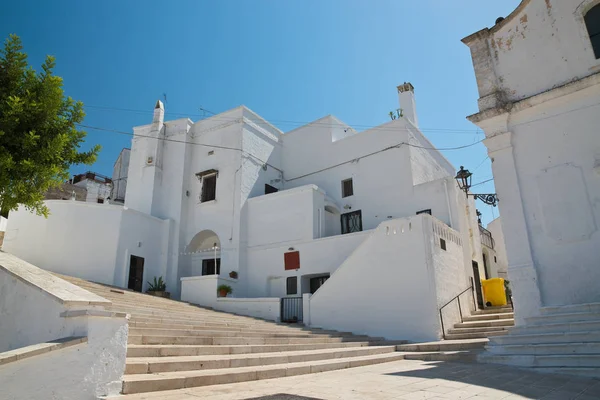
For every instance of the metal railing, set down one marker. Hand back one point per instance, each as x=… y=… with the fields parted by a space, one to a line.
x=486 y=237
x=457 y=297
x=291 y=309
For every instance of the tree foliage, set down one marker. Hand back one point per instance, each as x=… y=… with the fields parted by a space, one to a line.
x=39 y=139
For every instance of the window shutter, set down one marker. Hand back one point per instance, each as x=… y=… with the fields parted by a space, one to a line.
x=291 y=260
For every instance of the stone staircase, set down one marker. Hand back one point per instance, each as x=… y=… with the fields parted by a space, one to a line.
x=466 y=340
x=174 y=345
x=561 y=339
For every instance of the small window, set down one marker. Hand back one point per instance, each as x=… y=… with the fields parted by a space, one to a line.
x=495 y=259
x=442 y=244
x=270 y=189
x=209 y=188
x=592 y=22
x=100 y=201
x=428 y=211
x=347 y=188
x=208 y=266
x=292 y=285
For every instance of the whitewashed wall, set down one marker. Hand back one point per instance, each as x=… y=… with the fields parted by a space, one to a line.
x=34 y=308
x=119 y=176
x=495 y=227
x=266 y=268
x=3 y=224
x=393 y=286
x=89 y=241
x=541 y=134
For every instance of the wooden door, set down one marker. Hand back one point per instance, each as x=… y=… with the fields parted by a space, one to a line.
x=477 y=283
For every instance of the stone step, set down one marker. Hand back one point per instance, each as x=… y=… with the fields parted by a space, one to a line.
x=578 y=371
x=202 y=321
x=444 y=345
x=154 y=365
x=581 y=326
x=223 y=333
x=557 y=361
x=458 y=336
x=570 y=309
x=456 y=356
x=488 y=317
x=545 y=349
x=493 y=310
x=212 y=326
x=562 y=318
x=185 y=379
x=200 y=340
x=478 y=330
x=481 y=324
x=140 y=350
x=546 y=338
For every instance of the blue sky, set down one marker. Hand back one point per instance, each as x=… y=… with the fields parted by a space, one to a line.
x=290 y=61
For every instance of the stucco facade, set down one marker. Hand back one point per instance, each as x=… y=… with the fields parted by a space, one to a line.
x=232 y=194
x=541 y=134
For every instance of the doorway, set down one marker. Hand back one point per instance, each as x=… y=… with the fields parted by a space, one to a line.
x=477 y=284
x=136 y=273
x=316 y=283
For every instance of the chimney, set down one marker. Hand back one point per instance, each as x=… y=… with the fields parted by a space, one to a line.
x=406 y=96
x=159 y=113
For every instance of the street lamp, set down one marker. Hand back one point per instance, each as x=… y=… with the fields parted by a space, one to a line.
x=463 y=177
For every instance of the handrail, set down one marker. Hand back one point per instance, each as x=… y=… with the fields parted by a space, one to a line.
x=457 y=297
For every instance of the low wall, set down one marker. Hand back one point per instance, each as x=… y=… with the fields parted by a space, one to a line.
x=202 y=290
x=90 y=241
x=386 y=287
x=38 y=307
x=268 y=308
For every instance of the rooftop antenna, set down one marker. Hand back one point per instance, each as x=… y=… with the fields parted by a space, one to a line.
x=165 y=97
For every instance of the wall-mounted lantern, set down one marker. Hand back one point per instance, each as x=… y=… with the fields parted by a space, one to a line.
x=463 y=177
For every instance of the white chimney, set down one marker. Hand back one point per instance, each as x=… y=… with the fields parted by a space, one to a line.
x=406 y=96
x=159 y=113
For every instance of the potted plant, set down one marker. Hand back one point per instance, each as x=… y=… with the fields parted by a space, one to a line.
x=158 y=288
x=233 y=275
x=224 y=290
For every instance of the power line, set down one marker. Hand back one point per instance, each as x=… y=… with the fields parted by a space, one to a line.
x=296 y=123
x=481 y=163
x=264 y=162
x=481 y=183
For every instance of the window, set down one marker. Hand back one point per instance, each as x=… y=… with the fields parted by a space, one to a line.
x=270 y=189
x=351 y=222
x=592 y=22
x=292 y=285
x=208 y=266
x=209 y=188
x=100 y=201
x=428 y=211
x=495 y=259
x=347 y=188
x=442 y=244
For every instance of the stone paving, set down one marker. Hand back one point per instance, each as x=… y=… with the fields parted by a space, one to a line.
x=404 y=379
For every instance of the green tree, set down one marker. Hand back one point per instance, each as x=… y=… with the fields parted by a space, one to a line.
x=39 y=139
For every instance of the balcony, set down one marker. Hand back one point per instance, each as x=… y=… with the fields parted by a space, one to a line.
x=486 y=237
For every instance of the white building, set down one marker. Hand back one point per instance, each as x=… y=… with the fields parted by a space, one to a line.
x=119 y=177
x=98 y=186
x=376 y=214
x=538 y=75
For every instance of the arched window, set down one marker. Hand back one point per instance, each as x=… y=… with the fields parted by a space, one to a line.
x=592 y=21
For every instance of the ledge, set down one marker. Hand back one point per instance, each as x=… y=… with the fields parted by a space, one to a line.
x=93 y=313
x=64 y=292
x=248 y=300
x=40 y=348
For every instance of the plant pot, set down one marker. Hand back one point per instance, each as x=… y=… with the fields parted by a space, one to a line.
x=222 y=293
x=166 y=295
x=233 y=275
